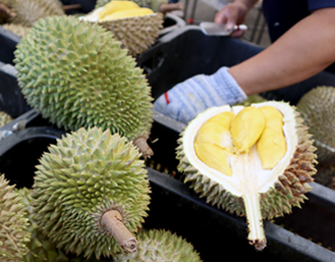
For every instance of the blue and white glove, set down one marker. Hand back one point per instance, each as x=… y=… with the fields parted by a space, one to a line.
x=187 y=99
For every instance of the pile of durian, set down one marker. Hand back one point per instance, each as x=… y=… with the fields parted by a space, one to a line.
x=88 y=202
x=135 y=26
x=91 y=191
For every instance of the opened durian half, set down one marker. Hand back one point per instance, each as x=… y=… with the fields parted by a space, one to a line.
x=136 y=27
x=254 y=161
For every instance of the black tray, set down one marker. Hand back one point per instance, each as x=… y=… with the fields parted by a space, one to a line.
x=8 y=42
x=12 y=101
x=213 y=232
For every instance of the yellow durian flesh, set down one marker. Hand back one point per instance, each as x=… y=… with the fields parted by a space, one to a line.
x=212 y=142
x=247 y=126
x=263 y=125
x=271 y=146
x=115 y=6
x=127 y=13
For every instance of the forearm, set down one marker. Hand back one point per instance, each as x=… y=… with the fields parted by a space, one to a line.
x=306 y=49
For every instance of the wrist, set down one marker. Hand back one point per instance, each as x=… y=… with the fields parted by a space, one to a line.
x=248 y=4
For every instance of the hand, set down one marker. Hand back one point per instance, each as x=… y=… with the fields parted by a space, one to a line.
x=189 y=98
x=233 y=14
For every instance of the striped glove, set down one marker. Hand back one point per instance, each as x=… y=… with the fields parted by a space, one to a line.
x=187 y=99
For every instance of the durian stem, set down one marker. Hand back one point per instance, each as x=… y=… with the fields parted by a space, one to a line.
x=111 y=221
x=71 y=7
x=142 y=145
x=256 y=234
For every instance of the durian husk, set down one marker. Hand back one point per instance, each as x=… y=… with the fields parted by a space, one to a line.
x=289 y=191
x=80 y=179
x=4 y=118
x=84 y=79
x=40 y=247
x=161 y=245
x=137 y=34
x=16 y=29
x=29 y=11
x=317 y=110
x=13 y=223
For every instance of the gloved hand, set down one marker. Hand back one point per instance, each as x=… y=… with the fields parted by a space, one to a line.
x=187 y=99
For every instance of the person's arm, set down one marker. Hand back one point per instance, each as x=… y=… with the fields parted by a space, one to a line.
x=303 y=51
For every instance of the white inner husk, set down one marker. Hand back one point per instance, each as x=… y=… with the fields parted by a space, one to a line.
x=248 y=175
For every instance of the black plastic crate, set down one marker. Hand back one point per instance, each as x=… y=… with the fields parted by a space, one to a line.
x=12 y=100
x=8 y=42
x=174 y=206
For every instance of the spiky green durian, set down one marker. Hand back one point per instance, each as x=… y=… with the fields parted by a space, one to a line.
x=161 y=245
x=16 y=29
x=29 y=11
x=85 y=182
x=244 y=185
x=41 y=249
x=13 y=224
x=317 y=110
x=76 y=74
x=4 y=118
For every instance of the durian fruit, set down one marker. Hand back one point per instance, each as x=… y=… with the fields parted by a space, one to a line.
x=91 y=193
x=4 y=118
x=16 y=29
x=317 y=109
x=140 y=3
x=13 y=223
x=116 y=6
x=251 y=100
x=260 y=181
x=40 y=247
x=161 y=245
x=136 y=27
x=29 y=11
x=136 y=12
x=76 y=75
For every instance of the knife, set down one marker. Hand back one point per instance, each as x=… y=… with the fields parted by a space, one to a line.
x=215 y=29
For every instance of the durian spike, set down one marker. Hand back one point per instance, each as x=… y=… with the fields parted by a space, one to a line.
x=256 y=234
x=111 y=221
x=141 y=143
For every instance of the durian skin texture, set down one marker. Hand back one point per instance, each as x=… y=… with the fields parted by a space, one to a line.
x=289 y=191
x=86 y=174
x=317 y=109
x=161 y=245
x=13 y=223
x=75 y=74
x=41 y=249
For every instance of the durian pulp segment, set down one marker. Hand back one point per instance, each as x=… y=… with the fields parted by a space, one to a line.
x=116 y=10
x=127 y=13
x=115 y=6
x=248 y=179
